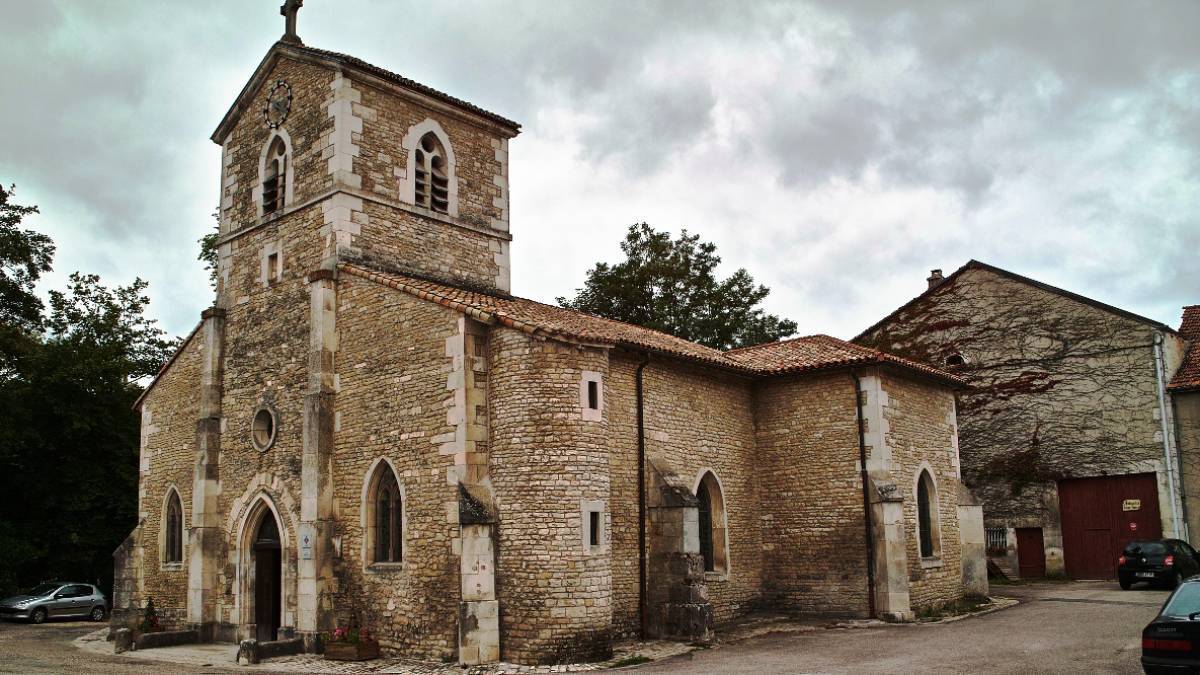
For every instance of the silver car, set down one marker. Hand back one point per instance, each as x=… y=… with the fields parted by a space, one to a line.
x=56 y=599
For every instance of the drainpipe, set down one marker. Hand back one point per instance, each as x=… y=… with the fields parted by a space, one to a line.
x=1166 y=435
x=641 y=488
x=868 y=534
x=1183 y=505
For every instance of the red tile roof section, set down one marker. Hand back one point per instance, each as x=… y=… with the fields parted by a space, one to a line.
x=817 y=352
x=1187 y=378
x=822 y=352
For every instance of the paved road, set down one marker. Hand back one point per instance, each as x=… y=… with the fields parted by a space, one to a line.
x=47 y=648
x=1090 y=627
x=1082 y=627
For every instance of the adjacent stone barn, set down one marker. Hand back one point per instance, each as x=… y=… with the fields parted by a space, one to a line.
x=1185 y=397
x=1067 y=435
x=367 y=427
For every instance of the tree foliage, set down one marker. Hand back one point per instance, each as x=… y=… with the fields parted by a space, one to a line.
x=671 y=285
x=68 y=435
x=208 y=250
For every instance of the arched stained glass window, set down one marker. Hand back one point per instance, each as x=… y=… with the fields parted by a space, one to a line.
x=387 y=526
x=173 y=544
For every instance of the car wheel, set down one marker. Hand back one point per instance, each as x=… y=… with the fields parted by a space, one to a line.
x=39 y=615
x=97 y=614
x=1125 y=582
x=1176 y=580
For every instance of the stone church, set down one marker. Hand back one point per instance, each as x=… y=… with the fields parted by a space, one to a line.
x=367 y=427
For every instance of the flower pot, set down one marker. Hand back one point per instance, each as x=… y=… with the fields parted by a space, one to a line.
x=352 y=651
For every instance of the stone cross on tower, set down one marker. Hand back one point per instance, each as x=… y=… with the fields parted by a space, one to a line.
x=289 y=9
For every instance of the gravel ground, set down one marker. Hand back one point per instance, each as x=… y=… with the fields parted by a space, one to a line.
x=1081 y=627
x=47 y=648
x=1057 y=627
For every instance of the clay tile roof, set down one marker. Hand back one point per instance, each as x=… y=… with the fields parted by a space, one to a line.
x=541 y=319
x=822 y=352
x=1187 y=378
x=818 y=352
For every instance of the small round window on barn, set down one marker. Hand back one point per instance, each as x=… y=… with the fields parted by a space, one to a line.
x=262 y=429
x=955 y=360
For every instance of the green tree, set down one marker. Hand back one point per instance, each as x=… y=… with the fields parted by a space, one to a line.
x=24 y=256
x=69 y=439
x=671 y=285
x=208 y=250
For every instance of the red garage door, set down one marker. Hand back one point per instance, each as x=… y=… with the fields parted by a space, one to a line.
x=1101 y=515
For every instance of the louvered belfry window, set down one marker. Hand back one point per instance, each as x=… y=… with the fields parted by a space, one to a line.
x=275 y=177
x=433 y=176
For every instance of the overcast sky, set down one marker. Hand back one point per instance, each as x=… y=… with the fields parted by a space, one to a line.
x=838 y=151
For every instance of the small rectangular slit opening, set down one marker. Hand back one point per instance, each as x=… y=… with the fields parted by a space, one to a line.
x=593 y=395
x=593 y=528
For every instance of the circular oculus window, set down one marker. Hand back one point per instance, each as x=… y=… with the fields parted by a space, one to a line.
x=262 y=429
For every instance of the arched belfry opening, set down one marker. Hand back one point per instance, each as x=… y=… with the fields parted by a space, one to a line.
x=266 y=561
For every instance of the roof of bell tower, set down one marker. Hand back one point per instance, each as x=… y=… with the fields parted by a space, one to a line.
x=350 y=64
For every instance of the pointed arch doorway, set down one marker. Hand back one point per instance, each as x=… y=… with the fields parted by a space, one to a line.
x=266 y=554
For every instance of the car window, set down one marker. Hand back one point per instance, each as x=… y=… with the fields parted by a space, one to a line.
x=1187 y=548
x=76 y=591
x=1185 y=601
x=1146 y=548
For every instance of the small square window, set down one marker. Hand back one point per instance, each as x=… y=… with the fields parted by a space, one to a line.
x=591 y=395
x=591 y=513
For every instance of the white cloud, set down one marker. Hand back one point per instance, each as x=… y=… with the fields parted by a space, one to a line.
x=837 y=151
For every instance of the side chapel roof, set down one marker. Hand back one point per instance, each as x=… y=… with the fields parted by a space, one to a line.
x=797 y=355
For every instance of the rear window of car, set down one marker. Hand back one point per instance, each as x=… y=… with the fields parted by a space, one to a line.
x=1146 y=548
x=1184 y=602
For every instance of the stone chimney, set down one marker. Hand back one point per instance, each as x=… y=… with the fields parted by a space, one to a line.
x=935 y=278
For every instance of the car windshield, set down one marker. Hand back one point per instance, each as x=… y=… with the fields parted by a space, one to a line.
x=43 y=589
x=1146 y=548
x=1185 y=601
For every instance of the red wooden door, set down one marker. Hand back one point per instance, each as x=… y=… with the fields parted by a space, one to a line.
x=1031 y=553
x=1101 y=515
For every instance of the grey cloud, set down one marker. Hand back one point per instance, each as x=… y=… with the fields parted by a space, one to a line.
x=108 y=107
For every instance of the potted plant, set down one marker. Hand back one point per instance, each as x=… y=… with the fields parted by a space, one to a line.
x=351 y=643
x=150 y=622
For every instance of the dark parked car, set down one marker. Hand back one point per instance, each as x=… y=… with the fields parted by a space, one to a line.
x=1171 y=643
x=1163 y=562
x=56 y=599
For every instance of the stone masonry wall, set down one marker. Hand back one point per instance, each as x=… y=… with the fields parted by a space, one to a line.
x=696 y=419
x=308 y=126
x=391 y=404
x=812 y=513
x=546 y=460
x=266 y=365
x=169 y=414
x=1062 y=389
x=1187 y=416
x=921 y=435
